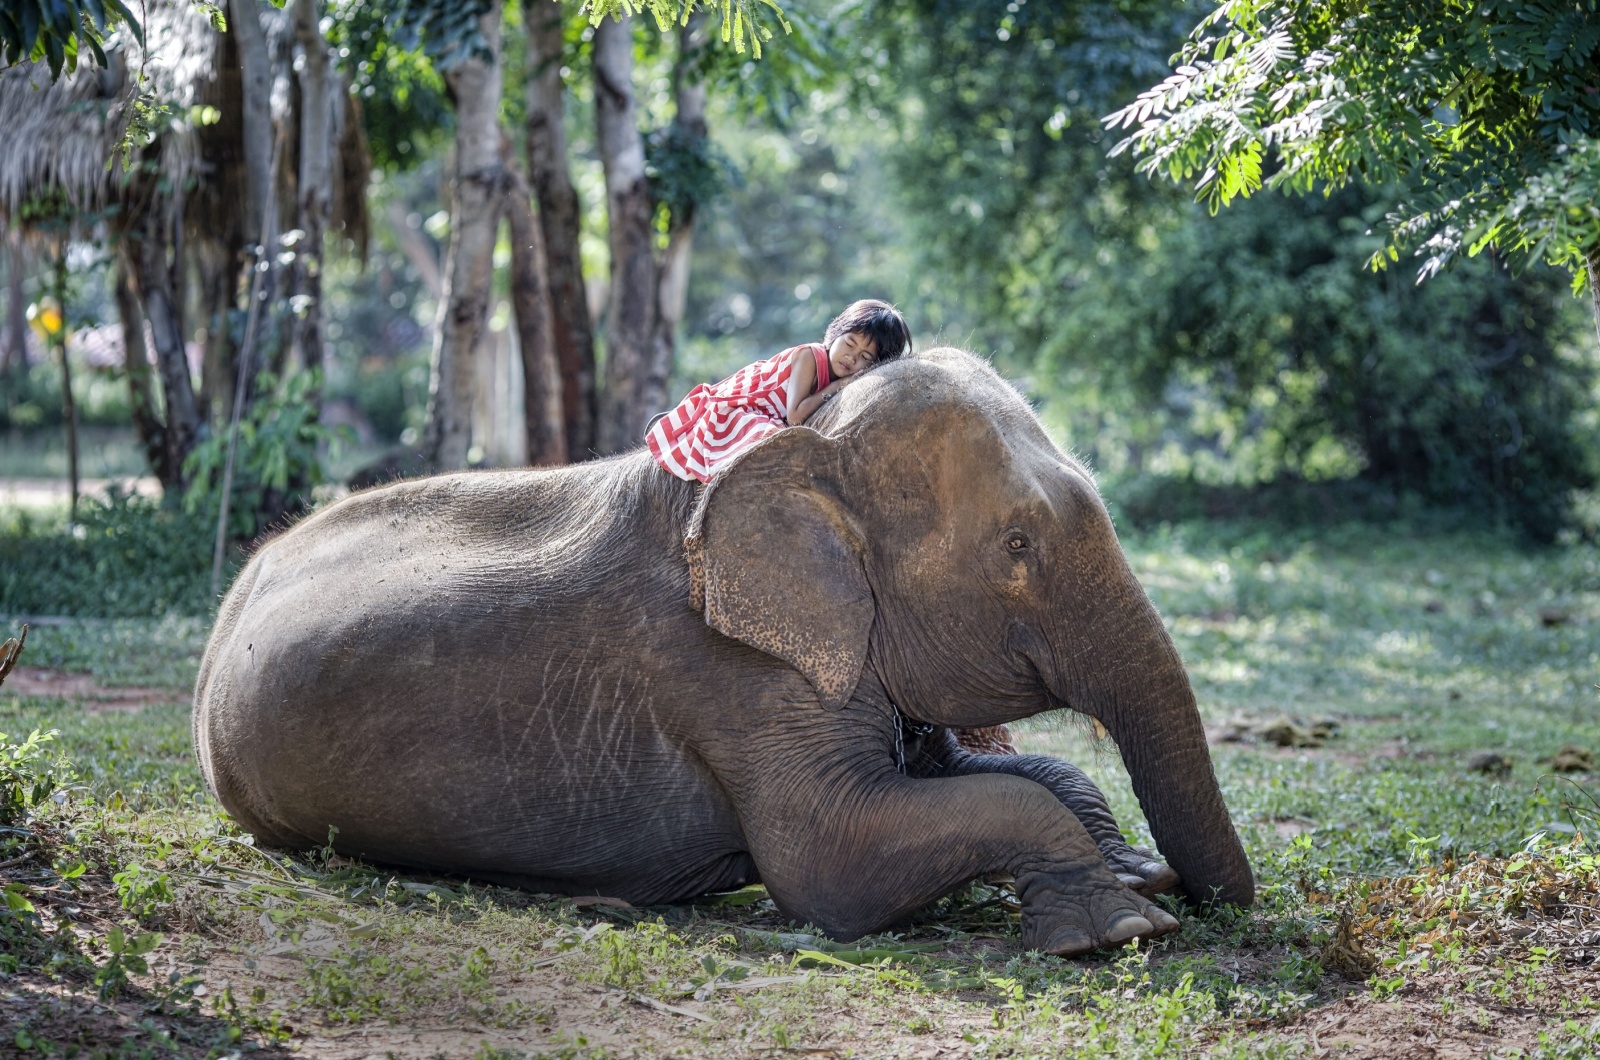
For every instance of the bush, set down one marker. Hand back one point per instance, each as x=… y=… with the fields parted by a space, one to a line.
x=1267 y=352
x=31 y=399
x=278 y=461
x=128 y=557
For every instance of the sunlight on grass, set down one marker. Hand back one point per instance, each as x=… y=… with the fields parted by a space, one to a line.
x=1388 y=871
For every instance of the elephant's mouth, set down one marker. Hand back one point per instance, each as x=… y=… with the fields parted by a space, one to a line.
x=1054 y=702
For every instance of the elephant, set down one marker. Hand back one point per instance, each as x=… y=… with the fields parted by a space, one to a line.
x=600 y=679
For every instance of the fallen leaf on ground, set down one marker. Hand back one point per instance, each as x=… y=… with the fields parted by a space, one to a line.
x=1573 y=759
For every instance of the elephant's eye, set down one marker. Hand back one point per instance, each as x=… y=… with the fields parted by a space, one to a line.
x=1016 y=542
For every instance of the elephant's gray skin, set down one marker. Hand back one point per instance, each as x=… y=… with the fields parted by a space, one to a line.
x=601 y=679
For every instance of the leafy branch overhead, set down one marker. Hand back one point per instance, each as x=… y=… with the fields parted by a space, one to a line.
x=742 y=21
x=56 y=31
x=1484 y=116
x=448 y=29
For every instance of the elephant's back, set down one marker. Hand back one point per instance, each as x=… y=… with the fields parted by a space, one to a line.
x=400 y=564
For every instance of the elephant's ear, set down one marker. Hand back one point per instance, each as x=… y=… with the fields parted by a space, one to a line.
x=775 y=561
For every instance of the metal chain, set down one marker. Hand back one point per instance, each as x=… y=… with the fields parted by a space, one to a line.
x=899 y=742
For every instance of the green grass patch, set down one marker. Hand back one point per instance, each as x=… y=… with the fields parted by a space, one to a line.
x=127 y=557
x=1402 y=899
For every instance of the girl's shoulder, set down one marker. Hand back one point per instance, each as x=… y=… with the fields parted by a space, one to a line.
x=785 y=360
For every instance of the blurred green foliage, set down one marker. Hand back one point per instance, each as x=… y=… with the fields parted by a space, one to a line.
x=126 y=557
x=1485 y=114
x=58 y=31
x=279 y=459
x=405 y=113
x=1266 y=351
x=1236 y=351
x=31 y=398
x=950 y=156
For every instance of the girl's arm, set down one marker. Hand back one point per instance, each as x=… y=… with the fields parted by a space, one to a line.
x=802 y=381
x=798 y=414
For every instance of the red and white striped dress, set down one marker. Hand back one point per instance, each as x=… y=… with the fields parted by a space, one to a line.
x=718 y=421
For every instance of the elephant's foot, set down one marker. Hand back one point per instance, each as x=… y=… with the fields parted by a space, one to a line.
x=1139 y=869
x=1085 y=908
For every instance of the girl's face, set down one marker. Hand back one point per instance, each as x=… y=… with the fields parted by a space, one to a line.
x=850 y=353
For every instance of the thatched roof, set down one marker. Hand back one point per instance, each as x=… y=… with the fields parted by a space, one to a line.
x=62 y=136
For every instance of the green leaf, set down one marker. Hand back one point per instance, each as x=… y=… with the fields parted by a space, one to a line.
x=16 y=900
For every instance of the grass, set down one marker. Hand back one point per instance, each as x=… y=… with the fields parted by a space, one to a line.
x=127 y=557
x=1403 y=902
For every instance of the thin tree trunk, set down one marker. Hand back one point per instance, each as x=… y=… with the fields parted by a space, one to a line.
x=136 y=363
x=218 y=271
x=626 y=402
x=244 y=23
x=69 y=407
x=153 y=278
x=256 y=91
x=315 y=184
x=469 y=265
x=16 y=352
x=530 y=300
x=1592 y=259
x=672 y=285
x=559 y=220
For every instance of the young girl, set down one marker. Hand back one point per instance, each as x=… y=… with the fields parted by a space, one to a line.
x=719 y=420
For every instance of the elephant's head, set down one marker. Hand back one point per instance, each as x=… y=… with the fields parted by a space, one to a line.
x=929 y=526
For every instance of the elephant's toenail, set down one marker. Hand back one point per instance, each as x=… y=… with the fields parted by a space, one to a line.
x=1158 y=877
x=1163 y=921
x=1069 y=942
x=1131 y=926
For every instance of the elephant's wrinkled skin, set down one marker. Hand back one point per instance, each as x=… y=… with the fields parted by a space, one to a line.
x=601 y=679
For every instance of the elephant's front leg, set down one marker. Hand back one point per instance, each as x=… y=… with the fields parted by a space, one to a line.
x=855 y=851
x=939 y=754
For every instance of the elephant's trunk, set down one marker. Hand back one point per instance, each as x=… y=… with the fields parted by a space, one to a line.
x=1135 y=684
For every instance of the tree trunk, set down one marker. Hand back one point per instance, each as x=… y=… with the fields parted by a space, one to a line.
x=219 y=274
x=627 y=401
x=153 y=278
x=1592 y=259
x=469 y=264
x=315 y=184
x=530 y=300
x=559 y=220
x=16 y=351
x=136 y=363
x=244 y=23
x=672 y=285
x=69 y=407
x=261 y=163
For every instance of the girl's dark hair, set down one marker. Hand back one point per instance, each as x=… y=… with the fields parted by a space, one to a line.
x=878 y=321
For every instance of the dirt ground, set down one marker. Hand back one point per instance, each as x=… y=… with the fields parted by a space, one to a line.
x=83 y=688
